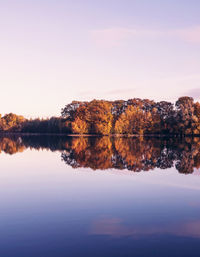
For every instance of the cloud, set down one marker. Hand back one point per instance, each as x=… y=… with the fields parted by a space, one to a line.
x=115 y=227
x=116 y=36
x=111 y=37
x=126 y=91
x=111 y=227
x=189 y=34
x=195 y=93
x=86 y=93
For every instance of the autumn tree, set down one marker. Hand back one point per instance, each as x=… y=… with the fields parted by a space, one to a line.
x=11 y=122
x=197 y=115
x=69 y=110
x=166 y=112
x=94 y=117
x=135 y=120
x=187 y=121
x=80 y=126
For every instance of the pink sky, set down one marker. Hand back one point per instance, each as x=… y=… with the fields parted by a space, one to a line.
x=53 y=52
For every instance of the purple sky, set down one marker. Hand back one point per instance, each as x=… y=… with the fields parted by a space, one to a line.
x=56 y=51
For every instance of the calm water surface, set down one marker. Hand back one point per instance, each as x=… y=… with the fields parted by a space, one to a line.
x=99 y=197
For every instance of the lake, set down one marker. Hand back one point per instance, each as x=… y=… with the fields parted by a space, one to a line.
x=99 y=196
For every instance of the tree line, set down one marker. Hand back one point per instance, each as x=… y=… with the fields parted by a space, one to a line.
x=12 y=123
x=100 y=117
x=135 y=116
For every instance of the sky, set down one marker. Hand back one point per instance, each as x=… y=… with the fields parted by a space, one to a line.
x=55 y=51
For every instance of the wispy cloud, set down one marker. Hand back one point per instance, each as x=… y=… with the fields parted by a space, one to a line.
x=189 y=34
x=115 y=227
x=86 y=93
x=126 y=91
x=195 y=93
x=115 y=92
x=110 y=37
x=116 y=36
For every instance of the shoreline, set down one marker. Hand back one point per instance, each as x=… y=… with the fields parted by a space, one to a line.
x=96 y=135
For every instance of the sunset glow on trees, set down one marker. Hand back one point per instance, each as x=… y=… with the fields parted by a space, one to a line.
x=100 y=117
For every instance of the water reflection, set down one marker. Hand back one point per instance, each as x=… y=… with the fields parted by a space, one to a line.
x=135 y=154
x=47 y=209
x=116 y=227
x=11 y=145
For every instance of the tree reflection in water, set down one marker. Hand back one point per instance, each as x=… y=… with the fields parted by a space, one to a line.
x=135 y=154
x=131 y=153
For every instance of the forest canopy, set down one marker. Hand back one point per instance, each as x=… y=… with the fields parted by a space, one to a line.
x=135 y=116
x=101 y=117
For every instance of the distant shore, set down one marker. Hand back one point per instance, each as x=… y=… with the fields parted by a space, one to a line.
x=134 y=117
x=96 y=135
